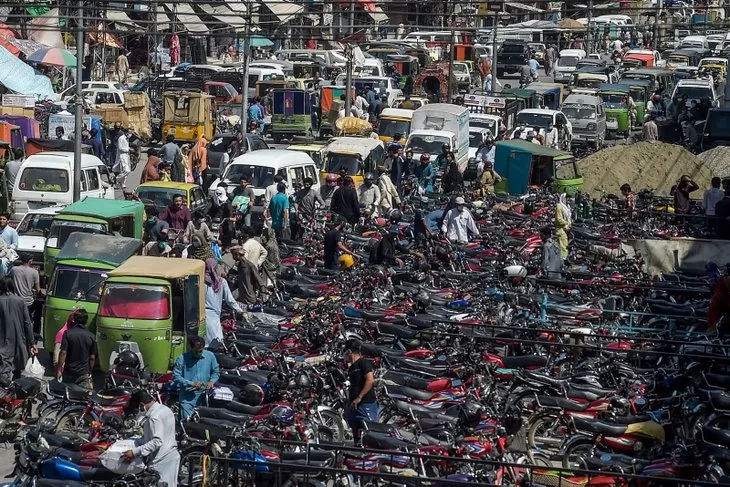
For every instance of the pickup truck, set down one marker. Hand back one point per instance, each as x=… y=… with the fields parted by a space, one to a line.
x=511 y=56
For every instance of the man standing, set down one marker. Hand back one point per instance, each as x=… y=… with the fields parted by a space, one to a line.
x=552 y=136
x=12 y=168
x=552 y=261
x=195 y=372
x=158 y=445
x=278 y=210
x=458 y=222
x=681 y=192
x=8 y=233
x=254 y=252
x=151 y=170
x=307 y=201
x=243 y=198
x=78 y=352
x=650 y=131
x=123 y=164
x=362 y=405
x=424 y=172
x=176 y=214
x=369 y=196
x=16 y=333
x=333 y=245
x=345 y=202
x=95 y=142
x=170 y=151
x=389 y=197
x=27 y=286
x=711 y=198
x=549 y=60
x=121 y=67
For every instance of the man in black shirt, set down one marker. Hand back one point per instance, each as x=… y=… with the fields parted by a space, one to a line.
x=722 y=215
x=333 y=245
x=362 y=405
x=345 y=202
x=78 y=352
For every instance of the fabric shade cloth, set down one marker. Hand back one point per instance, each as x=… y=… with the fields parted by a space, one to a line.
x=378 y=15
x=282 y=9
x=260 y=41
x=121 y=19
x=571 y=24
x=45 y=30
x=106 y=38
x=187 y=17
x=54 y=57
x=226 y=15
x=5 y=35
x=27 y=46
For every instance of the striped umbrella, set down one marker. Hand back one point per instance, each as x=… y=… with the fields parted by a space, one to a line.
x=54 y=57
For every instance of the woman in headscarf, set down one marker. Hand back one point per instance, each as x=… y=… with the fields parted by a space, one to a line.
x=271 y=265
x=563 y=221
x=220 y=212
x=217 y=292
x=199 y=162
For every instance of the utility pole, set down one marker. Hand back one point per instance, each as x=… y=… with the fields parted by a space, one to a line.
x=656 y=23
x=496 y=11
x=352 y=17
x=451 y=67
x=348 y=79
x=246 y=48
x=78 y=122
x=589 y=27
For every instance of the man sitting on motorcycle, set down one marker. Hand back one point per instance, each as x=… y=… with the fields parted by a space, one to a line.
x=534 y=67
x=525 y=74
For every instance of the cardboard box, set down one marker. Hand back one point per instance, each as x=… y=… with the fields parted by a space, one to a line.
x=136 y=100
x=139 y=122
x=25 y=112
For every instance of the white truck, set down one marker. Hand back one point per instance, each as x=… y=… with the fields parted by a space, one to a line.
x=436 y=124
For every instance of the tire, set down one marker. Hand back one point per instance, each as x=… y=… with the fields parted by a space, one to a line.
x=191 y=457
x=575 y=453
x=75 y=422
x=541 y=432
x=277 y=138
x=333 y=421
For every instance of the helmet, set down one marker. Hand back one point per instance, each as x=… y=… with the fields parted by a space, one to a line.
x=423 y=300
x=346 y=261
x=656 y=98
x=425 y=157
x=368 y=177
x=303 y=382
x=332 y=178
x=395 y=216
x=444 y=147
x=128 y=359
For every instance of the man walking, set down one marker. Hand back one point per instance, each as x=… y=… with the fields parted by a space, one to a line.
x=307 y=202
x=711 y=198
x=16 y=332
x=278 y=210
x=121 y=68
x=170 y=151
x=27 y=286
x=195 y=372
x=78 y=352
x=389 y=197
x=123 y=164
x=362 y=405
x=12 y=168
x=158 y=445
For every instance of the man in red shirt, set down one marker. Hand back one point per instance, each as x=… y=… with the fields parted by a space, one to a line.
x=176 y=214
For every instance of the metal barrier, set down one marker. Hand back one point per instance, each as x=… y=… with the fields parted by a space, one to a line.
x=236 y=471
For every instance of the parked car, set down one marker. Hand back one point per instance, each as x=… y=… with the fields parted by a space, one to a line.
x=717 y=128
x=218 y=147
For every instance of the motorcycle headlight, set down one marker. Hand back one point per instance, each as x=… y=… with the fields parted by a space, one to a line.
x=558 y=75
x=591 y=126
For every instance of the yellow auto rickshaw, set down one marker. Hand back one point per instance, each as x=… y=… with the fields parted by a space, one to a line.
x=188 y=116
x=149 y=305
x=354 y=156
x=716 y=65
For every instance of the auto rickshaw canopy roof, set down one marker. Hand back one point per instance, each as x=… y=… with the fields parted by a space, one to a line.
x=609 y=87
x=536 y=149
x=102 y=249
x=186 y=107
x=354 y=145
x=103 y=208
x=164 y=268
x=168 y=185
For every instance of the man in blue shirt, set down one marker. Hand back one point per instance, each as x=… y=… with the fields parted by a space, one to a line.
x=279 y=210
x=424 y=172
x=170 y=150
x=8 y=233
x=195 y=372
x=534 y=66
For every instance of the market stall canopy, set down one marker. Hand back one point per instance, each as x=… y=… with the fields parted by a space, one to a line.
x=225 y=15
x=378 y=15
x=5 y=35
x=45 y=30
x=187 y=17
x=21 y=78
x=522 y=6
x=27 y=46
x=571 y=24
x=102 y=36
x=52 y=56
x=260 y=41
x=121 y=19
x=283 y=10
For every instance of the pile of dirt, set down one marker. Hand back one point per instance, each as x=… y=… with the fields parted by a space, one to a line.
x=717 y=160
x=652 y=165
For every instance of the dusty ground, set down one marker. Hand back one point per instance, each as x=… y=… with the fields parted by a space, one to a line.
x=717 y=160
x=642 y=165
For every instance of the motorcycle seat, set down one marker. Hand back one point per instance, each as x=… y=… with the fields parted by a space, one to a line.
x=247 y=347
x=373 y=350
x=584 y=394
x=720 y=400
x=72 y=392
x=599 y=427
x=719 y=381
x=630 y=419
x=539 y=378
x=238 y=407
x=716 y=436
x=397 y=331
x=223 y=414
x=312 y=457
x=206 y=431
x=59 y=441
x=254 y=336
x=420 y=366
x=71 y=456
x=447 y=422
x=524 y=361
x=26 y=387
x=107 y=397
x=59 y=483
x=372 y=315
x=561 y=402
x=226 y=361
x=357 y=239
x=97 y=474
x=220 y=423
x=380 y=441
x=407 y=380
x=409 y=392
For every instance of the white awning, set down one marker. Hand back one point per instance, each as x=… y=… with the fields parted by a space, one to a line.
x=378 y=15
x=523 y=6
x=282 y=9
x=237 y=6
x=226 y=15
x=186 y=16
x=120 y=17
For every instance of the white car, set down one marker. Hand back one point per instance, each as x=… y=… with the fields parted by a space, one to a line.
x=462 y=75
x=538 y=119
x=96 y=97
x=70 y=92
x=697 y=89
x=32 y=231
x=566 y=64
x=477 y=137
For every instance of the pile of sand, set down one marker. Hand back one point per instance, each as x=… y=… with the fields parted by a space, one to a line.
x=643 y=165
x=717 y=160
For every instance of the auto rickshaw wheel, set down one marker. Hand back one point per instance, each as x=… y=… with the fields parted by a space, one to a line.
x=277 y=138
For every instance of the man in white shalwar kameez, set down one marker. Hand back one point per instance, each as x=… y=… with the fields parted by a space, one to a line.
x=157 y=447
x=123 y=164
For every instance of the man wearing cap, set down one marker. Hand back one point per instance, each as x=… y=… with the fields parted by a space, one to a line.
x=458 y=222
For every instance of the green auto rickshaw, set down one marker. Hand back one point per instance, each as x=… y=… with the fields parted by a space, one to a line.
x=149 y=305
x=79 y=275
x=618 y=114
x=523 y=165
x=291 y=114
x=92 y=215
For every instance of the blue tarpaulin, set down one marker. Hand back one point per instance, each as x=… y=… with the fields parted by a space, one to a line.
x=17 y=76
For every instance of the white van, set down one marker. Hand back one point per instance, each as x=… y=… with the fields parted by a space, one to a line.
x=46 y=179
x=694 y=41
x=262 y=74
x=567 y=61
x=614 y=19
x=261 y=167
